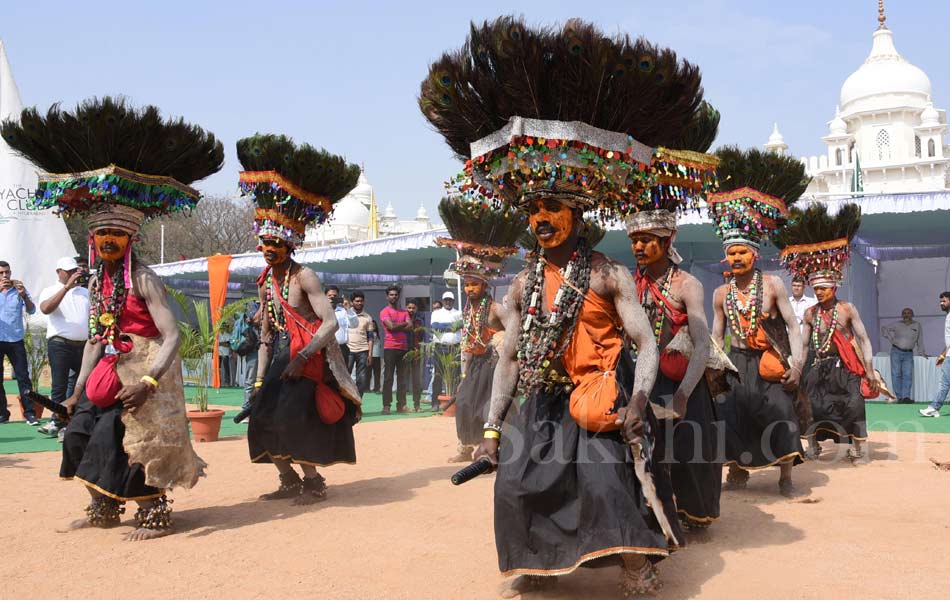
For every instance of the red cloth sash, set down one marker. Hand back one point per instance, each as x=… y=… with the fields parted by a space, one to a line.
x=330 y=404
x=672 y=364
x=849 y=357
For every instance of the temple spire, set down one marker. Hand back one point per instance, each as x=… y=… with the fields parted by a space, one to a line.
x=880 y=15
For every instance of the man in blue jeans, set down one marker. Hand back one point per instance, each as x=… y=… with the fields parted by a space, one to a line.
x=906 y=337
x=13 y=299
x=934 y=409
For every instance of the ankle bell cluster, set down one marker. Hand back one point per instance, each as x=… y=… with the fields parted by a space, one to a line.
x=156 y=516
x=104 y=511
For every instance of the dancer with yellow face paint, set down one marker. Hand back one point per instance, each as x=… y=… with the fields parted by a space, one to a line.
x=762 y=427
x=304 y=404
x=838 y=373
x=484 y=238
x=127 y=437
x=556 y=123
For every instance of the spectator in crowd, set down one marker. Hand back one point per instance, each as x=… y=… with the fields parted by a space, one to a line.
x=14 y=298
x=376 y=351
x=245 y=342
x=224 y=358
x=436 y=305
x=800 y=302
x=345 y=317
x=905 y=336
x=361 y=342
x=944 y=388
x=397 y=326
x=66 y=306
x=447 y=335
x=417 y=337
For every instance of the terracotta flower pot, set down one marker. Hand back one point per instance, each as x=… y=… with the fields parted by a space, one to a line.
x=205 y=426
x=447 y=411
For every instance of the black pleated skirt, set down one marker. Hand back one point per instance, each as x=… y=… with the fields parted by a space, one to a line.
x=837 y=405
x=567 y=497
x=761 y=423
x=473 y=398
x=93 y=454
x=284 y=423
x=695 y=464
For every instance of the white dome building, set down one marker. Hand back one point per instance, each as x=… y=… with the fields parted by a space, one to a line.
x=887 y=124
x=351 y=219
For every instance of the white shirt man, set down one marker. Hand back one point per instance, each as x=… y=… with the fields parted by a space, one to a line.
x=447 y=322
x=66 y=306
x=345 y=317
x=800 y=302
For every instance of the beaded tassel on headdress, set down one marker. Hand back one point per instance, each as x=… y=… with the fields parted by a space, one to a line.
x=816 y=245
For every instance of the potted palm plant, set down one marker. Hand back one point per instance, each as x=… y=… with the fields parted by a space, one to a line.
x=197 y=342
x=35 y=342
x=447 y=365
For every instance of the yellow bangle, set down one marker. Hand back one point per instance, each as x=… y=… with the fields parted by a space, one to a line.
x=149 y=380
x=258 y=384
x=491 y=434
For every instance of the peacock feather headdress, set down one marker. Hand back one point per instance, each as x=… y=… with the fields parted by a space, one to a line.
x=483 y=234
x=817 y=245
x=756 y=189
x=114 y=162
x=568 y=111
x=292 y=186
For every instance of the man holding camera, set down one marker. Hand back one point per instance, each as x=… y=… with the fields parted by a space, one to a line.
x=13 y=299
x=66 y=306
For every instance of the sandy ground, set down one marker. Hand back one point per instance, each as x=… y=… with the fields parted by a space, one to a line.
x=394 y=527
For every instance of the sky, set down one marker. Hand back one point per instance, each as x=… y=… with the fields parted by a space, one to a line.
x=344 y=75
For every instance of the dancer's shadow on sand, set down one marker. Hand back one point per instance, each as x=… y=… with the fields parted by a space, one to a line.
x=200 y=522
x=10 y=461
x=744 y=526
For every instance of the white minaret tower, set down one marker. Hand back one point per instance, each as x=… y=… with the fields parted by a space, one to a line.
x=776 y=143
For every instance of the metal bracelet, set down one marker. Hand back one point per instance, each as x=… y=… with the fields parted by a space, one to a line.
x=492 y=427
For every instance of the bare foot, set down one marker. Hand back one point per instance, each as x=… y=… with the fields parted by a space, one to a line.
x=84 y=524
x=637 y=580
x=787 y=489
x=141 y=534
x=523 y=584
x=461 y=457
x=313 y=490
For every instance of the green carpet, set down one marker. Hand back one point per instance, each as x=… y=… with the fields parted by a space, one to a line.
x=20 y=437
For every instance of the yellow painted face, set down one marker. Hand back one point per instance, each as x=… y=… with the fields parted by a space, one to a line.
x=648 y=248
x=741 y=258
x=552 y=222
x=825 y=293
x=111 y=244
x=275 y=250
x=474 y=287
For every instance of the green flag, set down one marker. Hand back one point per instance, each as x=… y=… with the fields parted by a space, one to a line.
x=857 y=179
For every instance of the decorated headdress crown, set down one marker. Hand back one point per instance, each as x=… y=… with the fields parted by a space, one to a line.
x=569 y=112
x=756 y=189
x=817 y=245
x=105 y=154
x=292 y=186
x=483 y=235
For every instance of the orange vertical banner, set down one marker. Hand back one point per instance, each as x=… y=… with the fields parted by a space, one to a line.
x=218 y=273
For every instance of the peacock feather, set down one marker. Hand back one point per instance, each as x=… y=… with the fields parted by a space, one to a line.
x=108 y=131
x=813 y=225
x=575 y=73
x=769 y=173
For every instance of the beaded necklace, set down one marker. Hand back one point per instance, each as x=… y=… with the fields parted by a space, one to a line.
x=475 y=319
x=658 y=316
x=104 y=312
x=542 y=340
x=822 y=347
x=750 y=308
x=277 y=317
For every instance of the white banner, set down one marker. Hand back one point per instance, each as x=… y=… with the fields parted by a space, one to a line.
x=30 y=240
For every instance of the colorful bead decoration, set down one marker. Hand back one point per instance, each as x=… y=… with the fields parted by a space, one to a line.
x=474 y=323
x=822 y=347
x=748 y=304
x=542 y=340
x=104 y=312
x=276 y=316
